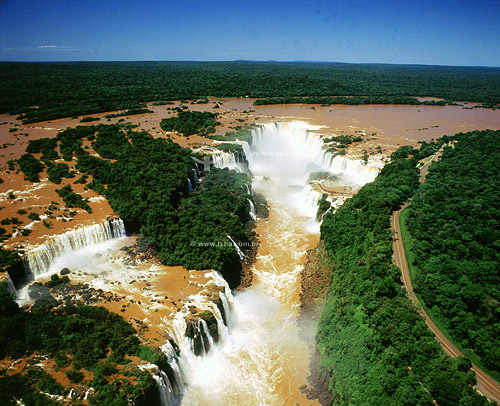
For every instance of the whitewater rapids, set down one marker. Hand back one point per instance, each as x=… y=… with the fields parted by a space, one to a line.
x=263 y=360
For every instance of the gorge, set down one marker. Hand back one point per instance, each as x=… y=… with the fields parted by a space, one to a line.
x=245 y=347
x=202 y=339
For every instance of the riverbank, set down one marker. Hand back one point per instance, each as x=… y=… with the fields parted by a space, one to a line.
x=383 y=128
x=159 y=294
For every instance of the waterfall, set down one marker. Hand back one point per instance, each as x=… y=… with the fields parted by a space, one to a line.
x=253 y=214
x=355 y=169
x=309 y=147
x=189 y=185
x=191 y=333
x=230 y=160
x=167 y=397
x=193 y=338
x=226 y=298
x=196 y=179
x=173 y=360
x=5 y=277
x=248 y=189
x=38 y=260
x=310 y=197
x=165 y=389
x=238 y=249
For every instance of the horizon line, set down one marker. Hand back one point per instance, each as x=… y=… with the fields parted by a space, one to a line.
x=252 y=61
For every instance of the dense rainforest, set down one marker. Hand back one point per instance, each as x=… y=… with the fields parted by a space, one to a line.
x=454 y=222
x=375 y=348
x=349 y=100
x=191 y=122
x=151 y=184
x=45 y=91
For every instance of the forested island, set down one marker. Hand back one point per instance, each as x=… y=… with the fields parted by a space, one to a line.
x=157 y=189
x=148 y=184
x=46 y=91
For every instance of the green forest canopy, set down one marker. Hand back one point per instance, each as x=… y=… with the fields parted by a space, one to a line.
x=375 y=348
x=77 y=338
x=147 y=185
x=76 y=88
x=454 y=220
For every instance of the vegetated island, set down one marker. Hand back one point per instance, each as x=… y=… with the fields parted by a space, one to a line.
x=152 y=184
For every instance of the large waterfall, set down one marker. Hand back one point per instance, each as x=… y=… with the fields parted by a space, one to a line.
x=201 y=324
x=243 y=349
x=296 y=143
x=38 y=260
x=297 y=152
x=261 y=358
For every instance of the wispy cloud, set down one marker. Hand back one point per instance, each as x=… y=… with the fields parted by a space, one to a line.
x=58 y=47
x=43 y=48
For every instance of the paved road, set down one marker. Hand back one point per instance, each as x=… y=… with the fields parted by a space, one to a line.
x=485 y=384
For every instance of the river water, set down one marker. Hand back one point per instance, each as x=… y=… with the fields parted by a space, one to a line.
x=262 y=357
x=264 y=360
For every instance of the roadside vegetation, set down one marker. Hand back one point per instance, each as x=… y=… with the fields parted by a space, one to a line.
x=375 y=348
x=455 y=238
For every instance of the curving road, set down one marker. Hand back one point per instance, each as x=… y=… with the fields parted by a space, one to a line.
x=485 y=384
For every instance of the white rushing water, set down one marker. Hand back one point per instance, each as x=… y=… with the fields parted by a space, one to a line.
x=240 y=253
x=5 y=277
x=261 y=359
x=39 y=260
x=230 y=160
x=223 y=349
x=253 y=213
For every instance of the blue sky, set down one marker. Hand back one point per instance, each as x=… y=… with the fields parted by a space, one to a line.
x=438 y=32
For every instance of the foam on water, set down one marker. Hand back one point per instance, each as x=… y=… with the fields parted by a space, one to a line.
x=262 y=359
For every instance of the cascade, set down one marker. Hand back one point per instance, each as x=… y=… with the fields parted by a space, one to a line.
x=191 y=333
x=38 y=260
x=253 y=214
x=310 y=197
x=173 y=360
x=248 y=189
x=5 y=277
x=238 y=249
x=167 y=397
x=231 y=161
x=189 y=185
x=261 y=358
x=165 y=390
x=196 y=179
x=355 y=169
